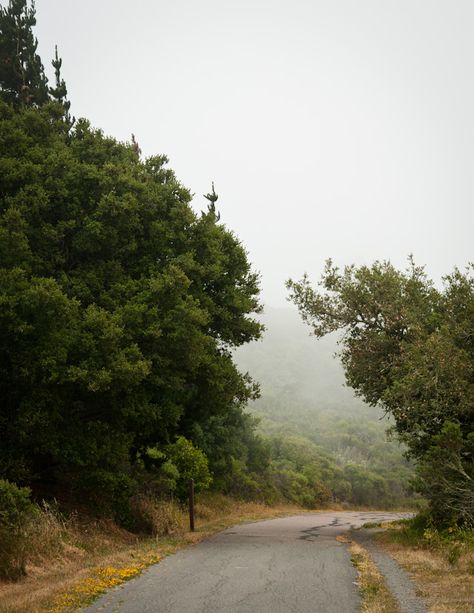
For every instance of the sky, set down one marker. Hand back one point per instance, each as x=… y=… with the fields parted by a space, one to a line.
x=335 y=128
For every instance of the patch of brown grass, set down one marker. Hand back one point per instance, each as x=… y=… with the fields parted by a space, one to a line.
x=215 y=511
x=159 y=517
x=447 y=586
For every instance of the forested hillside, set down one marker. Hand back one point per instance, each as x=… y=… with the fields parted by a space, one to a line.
x=305 y=404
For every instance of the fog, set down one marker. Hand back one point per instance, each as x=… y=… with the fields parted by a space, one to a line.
x=331 y=128
x=296 y=371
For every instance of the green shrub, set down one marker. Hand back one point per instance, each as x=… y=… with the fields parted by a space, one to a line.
x=445 y=477
x=422 y=531
x=191 y=463
x=16 y=512
x=245 y=485
x=108 y=494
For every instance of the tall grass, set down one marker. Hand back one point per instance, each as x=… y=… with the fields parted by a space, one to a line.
x=40 y=538
x=158 y=517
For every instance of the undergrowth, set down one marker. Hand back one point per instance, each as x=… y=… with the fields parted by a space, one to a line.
x=70 y=559
x=441 y=561
x=419 y=532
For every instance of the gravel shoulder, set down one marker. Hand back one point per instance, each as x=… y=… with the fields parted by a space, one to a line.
x=396 y=578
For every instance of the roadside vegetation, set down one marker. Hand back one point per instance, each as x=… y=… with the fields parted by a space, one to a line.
x=408 y=348
x=441 y=561
x=71 y=559
x=375 y=595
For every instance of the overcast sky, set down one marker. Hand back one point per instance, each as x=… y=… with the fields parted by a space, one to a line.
x=336 y=128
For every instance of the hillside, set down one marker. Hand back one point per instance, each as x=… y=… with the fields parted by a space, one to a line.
x=303 y=394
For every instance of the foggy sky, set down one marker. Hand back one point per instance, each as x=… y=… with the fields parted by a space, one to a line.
x=336 y=128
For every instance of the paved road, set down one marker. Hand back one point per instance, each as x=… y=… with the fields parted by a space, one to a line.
x=287 y=565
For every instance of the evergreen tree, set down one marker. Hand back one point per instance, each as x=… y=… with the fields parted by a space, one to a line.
x=59 y=93
x=120 y=305
x=22 y=78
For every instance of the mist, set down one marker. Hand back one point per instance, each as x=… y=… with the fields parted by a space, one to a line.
x=331 y=129
x=296 y=370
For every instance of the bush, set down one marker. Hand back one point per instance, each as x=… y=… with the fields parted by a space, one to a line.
x=421 y=531
x=16 y=512
x=248 y=486
x=446 y=478
x=108 y=494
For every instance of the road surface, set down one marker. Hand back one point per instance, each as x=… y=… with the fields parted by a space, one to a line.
x=287 y=565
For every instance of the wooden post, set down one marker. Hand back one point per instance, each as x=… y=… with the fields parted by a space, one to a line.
x=191 y=505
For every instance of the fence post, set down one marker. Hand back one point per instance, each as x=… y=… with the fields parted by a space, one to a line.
x=191 y=505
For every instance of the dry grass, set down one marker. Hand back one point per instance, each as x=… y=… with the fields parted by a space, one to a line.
x=448 y=586
x=159 y=518
x=72 y=561
x=376 y=597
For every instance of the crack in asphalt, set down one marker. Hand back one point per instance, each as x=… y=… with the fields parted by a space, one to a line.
x=310 y=533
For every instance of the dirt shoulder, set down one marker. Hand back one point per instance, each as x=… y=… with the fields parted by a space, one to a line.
x=395 y=579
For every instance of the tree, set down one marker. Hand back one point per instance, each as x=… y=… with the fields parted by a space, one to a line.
x=120 y=306
x=407 y=347
x=22 y=78
x=191 y=463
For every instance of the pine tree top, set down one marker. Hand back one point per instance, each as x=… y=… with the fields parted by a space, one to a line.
x=23 y=81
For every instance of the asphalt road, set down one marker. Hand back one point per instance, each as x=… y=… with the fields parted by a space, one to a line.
x=287 y=565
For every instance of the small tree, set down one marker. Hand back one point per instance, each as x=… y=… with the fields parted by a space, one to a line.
x=191 y=464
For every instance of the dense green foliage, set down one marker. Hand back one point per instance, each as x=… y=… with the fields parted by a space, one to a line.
x=190 y=463
x=119 y=305
x=409 y=348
